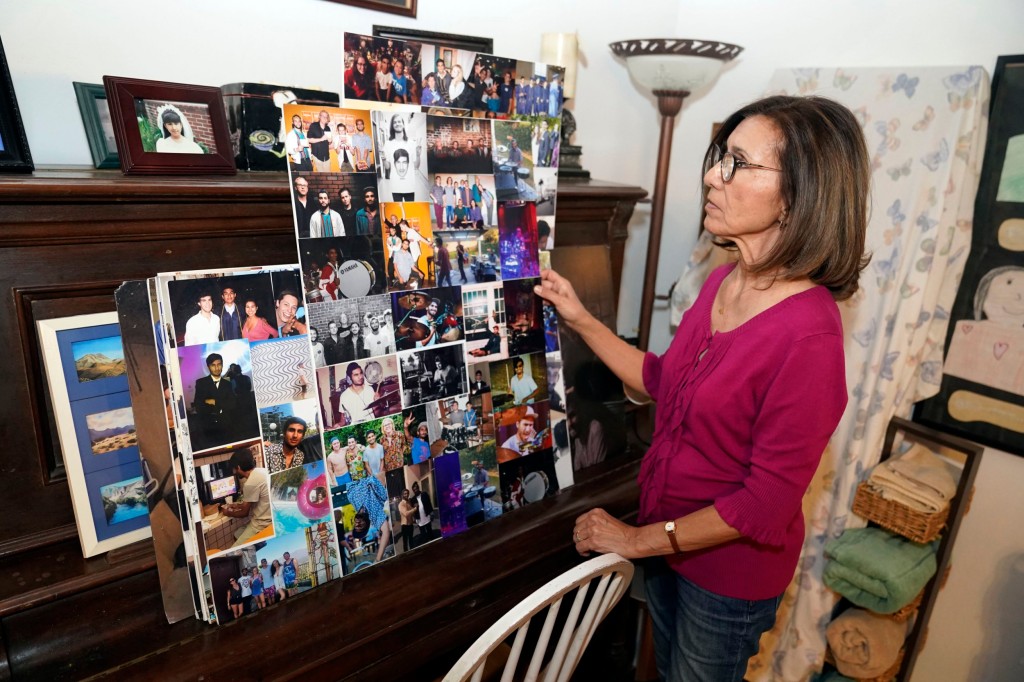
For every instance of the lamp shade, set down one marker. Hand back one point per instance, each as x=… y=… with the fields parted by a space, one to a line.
x=674 y=64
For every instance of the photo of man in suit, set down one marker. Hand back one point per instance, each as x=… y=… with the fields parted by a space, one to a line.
x=214 y=405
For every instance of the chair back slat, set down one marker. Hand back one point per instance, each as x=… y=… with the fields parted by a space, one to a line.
x=542 y=642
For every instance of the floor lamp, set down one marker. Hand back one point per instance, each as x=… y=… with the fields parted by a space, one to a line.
x=671 y=68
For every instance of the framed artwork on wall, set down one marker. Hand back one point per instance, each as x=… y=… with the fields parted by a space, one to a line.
x=14 y=154
x=99 y=128
x=169 y=128
x=406 y=8
x=982 y=391
x=88 y=382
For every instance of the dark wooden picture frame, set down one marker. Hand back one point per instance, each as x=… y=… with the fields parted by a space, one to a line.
x=124 y=93
x=406 y=8
x=89 y=96
x=971 y=409
x=14 y=154
x=477 y=44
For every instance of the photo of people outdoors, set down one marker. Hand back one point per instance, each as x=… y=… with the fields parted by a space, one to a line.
x=372 y=448
x=432 y=373
x=428 y=317
x=358 y=391
x=408 y=245
x=291 y=434
x=363 y=523
x=400 y=138
x=175 y=127
x=328 y=139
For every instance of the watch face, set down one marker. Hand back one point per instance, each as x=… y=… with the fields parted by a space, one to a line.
x=670 y=527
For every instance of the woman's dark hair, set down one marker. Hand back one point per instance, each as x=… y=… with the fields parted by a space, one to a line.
x=981 y=293
x=169 y=116
x=825 y=184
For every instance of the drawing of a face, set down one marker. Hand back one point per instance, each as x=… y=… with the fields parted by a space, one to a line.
x=1003 y=301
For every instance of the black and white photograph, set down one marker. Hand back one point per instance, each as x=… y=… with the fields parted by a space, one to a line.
x=432 y=374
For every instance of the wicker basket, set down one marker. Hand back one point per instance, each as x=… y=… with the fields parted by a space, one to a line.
x=914 y=525
x=908 y=610
x=887 y=676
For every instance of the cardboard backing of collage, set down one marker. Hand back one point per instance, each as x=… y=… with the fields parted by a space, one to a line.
x=398 y=385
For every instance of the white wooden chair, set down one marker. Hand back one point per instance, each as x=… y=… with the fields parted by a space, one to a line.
x=609 y=575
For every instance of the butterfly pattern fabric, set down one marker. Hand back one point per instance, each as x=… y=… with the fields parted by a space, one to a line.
x=926 y=130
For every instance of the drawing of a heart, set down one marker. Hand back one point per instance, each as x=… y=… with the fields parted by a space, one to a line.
x=967 y=328
x=999 y=349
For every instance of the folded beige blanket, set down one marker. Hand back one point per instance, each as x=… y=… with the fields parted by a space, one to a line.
x=918 y=479
x=865 y=644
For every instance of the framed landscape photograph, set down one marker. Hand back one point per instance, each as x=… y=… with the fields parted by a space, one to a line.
x=169 y=128
x=99 y=128
x=14 y=154
x=88 y=382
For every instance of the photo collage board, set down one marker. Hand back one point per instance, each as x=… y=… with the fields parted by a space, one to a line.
x=399 y=385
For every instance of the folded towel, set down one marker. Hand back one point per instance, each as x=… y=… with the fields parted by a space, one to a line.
x=878 y=570
x=834 y=676
x=865 y=644
x=918 y=479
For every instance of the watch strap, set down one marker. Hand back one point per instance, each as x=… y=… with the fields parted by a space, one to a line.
x=670 y=531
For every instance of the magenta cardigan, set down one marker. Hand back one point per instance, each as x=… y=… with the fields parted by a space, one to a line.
x=743 y=428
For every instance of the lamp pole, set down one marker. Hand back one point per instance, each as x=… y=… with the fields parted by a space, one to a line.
x=670 y=102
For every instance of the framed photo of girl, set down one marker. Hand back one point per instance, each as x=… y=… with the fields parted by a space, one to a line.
x=169 y=128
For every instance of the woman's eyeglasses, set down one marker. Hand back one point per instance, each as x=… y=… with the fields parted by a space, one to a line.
x=728 y=164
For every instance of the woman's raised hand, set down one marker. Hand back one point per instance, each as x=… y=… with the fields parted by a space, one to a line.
x=558 y=290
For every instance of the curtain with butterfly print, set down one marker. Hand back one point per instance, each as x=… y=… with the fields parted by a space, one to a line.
x=925 y=130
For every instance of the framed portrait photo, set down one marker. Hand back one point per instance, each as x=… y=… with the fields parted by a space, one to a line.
x=88 y=382
x=169 y=128
x=14 y=154
x=99 y=127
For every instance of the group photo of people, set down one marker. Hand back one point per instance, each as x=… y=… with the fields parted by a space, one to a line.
x=413 y=513
x=463 y=202
x=326 y=140
x=459 y=145
x=382 y=70
x=409 y=245
x=351 y=329
x=335 y=204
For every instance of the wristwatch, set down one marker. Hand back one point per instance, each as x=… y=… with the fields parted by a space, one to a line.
x=670 y=531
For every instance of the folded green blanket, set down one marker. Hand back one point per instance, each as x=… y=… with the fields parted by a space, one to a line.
x=834 y=676
x=878 y=570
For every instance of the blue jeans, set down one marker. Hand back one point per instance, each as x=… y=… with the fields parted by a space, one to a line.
x=700 y=636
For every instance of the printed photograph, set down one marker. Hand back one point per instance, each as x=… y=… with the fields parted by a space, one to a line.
x=524 y=316
x=523 y=430
x=364 y=524
x=291 y=435
x=233 y=486
x=111 y=430
x=383 y=70
x=432 y=374
x=342 y=267
x=400 y=139
x=519 y=380
x=481 y=492
x=559 y=421
x=210 y=309
x=175 y=127
x=550 y=327
x=448 y=480
x=328 y=139
x=544 y=145
x=351 y=329
x=518 y=240
x=412 y=498
x=335 y=204
x=458 y=145
x=282 y=371
x=463 y=204
x=427 y=317
x=371 y=448
x=479 y=420
x=527 y=480
x=486 y=333
x=124 y=500
x=299 y=497
x=479 y=378
x=220 y=403
x=513 y=161
x=359 y=391
x=409 y=245
x=547 y=191
x=98 y=358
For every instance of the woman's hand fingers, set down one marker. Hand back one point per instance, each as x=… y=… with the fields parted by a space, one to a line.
x=598 y=531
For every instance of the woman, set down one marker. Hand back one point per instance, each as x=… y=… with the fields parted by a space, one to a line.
x=392 y=244
x=450 y=193
x=460 y=256
x=177 y=139
x=396 y=445
x=235 y=600
x=257 y=588
x=319 y=357
x=474 y=215
x=437 y=199
x=751 y=388
x=399 y=83
x=460 y=96
x=275 y=570
x=256 y=328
